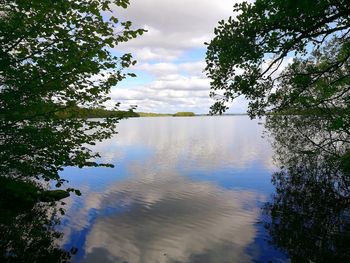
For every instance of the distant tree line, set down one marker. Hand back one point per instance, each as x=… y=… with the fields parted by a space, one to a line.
x=78 y=112
x=178 y=114
x=184 y=114
x=152 y=114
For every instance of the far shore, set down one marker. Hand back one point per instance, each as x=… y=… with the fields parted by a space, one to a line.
x=146 y=114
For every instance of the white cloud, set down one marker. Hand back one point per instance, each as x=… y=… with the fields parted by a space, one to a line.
x=175 y=29
x=168 y=70
x=177 y=87
x=168 y=93
x=155 y=53
x=158 y=69
x=173 y=26
x=195 y=68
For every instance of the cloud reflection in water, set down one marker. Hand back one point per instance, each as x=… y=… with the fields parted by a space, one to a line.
x=157 y=214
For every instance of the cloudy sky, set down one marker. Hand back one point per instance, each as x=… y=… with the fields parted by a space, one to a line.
x=171 y=55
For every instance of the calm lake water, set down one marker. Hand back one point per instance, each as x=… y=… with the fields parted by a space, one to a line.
x=182 y=190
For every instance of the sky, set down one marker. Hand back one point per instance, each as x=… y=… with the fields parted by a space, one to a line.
x=171 y=55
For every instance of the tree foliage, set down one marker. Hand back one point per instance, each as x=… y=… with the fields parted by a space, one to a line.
x=55 y=55
x=60 y=51
x=248 y=53
x=57 y=65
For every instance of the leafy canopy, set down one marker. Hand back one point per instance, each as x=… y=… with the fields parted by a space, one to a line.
x=56 y=55
x=60 y=51
x=248 y=52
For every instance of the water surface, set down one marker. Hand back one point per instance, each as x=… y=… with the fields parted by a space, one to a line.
x=182 y=190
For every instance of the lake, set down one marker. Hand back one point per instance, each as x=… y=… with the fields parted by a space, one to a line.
x=182 y=190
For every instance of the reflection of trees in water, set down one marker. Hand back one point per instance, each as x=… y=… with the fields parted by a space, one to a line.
x=310 y=212
x=33 y=152
x=28 y=235
x=40 y=148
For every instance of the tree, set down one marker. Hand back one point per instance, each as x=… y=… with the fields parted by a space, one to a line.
x=248 y=53
x=56 y=55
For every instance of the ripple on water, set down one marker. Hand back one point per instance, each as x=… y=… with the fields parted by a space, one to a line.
x=157 y=212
